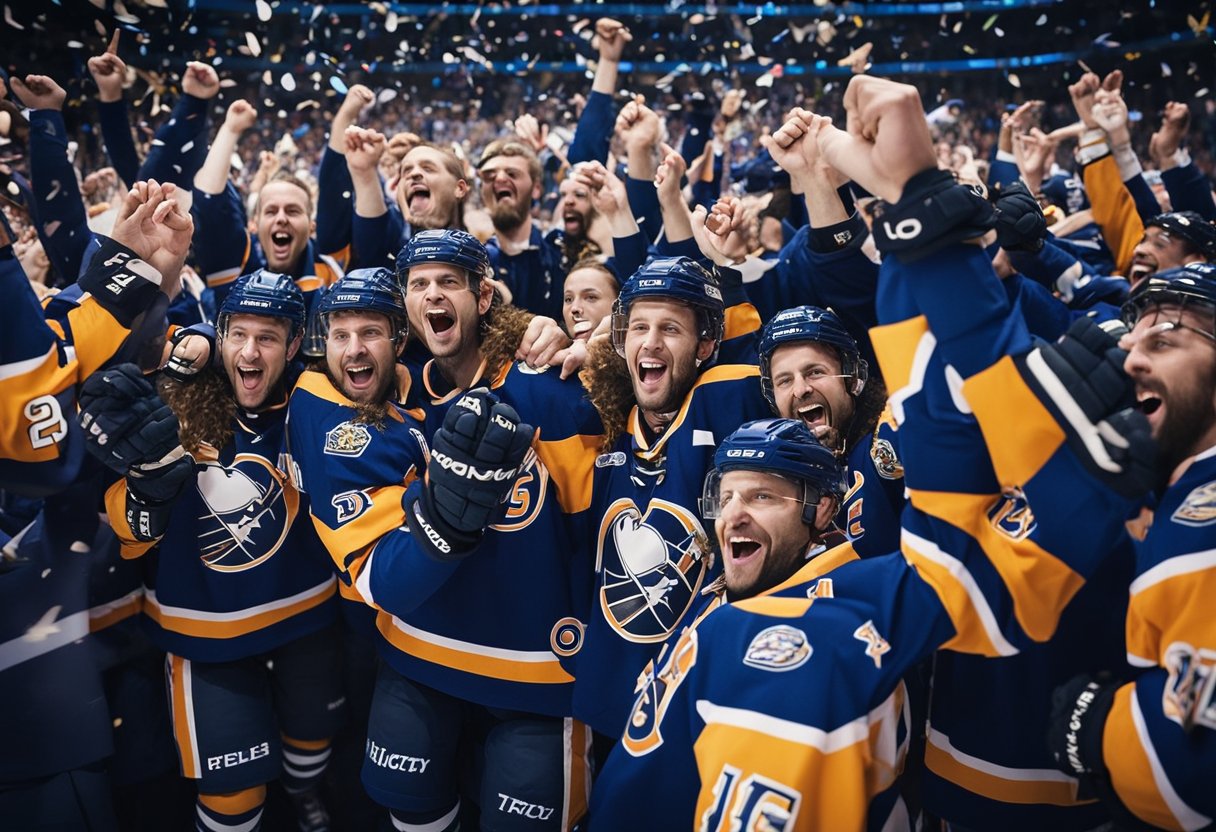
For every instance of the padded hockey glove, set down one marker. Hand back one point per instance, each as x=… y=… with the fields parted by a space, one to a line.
x=112 y=403
x=1079 y=709
x=1020 y=224
x=475 y=458
x=1080 y=379
x=151 y=489
x=933 y=212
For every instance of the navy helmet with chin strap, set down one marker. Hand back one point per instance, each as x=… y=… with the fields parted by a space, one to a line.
x=1192 y=286
x=366 y=290
x=810 y=323
x=784 y=447
x=268 y=294
x=678 y=279
x=451 y=247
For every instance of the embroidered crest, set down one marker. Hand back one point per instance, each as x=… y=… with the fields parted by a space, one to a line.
x=886 y=463
x=347 y=439
x=1199 y=507
x=778 y=648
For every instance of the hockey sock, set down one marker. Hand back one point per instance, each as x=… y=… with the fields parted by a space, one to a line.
x=426 y=822
x=231 y=812
x=304 y=762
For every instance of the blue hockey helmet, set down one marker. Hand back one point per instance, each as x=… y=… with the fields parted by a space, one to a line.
x=679 y=279
x=1066 y=191
x=367 y=290
x=784 y=447
x=1189 y=226
x=810 y=323
x=449 y=246
x=1192 y=286
x=268 y=294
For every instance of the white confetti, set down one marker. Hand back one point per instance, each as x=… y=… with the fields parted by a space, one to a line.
x=765 y=80
x=8 y=18
x=288 y=81
x=264 y=10
x=255 y=47
x=1015 y=80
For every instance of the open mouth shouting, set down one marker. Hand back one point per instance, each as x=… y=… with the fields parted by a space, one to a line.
x=418 y=199
x=250 y=377
x=280 y=245
x=741 y=550
x=573 y=222
x=359 y=376
x=814 y=412
x=651 y=374
x=1149 y=403
x=1141 y=268
x=440 y=326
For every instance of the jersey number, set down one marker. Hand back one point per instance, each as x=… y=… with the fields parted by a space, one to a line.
x=48 y=425
x=751 y=804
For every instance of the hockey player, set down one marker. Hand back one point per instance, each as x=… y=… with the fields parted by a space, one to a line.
x=476 y=661
x=958 y=586
x=47 y=351
x=237 y=581
x=283 y=215
x=652 y=555
x=1146 y=748
x=810 y=370
x=773 y=493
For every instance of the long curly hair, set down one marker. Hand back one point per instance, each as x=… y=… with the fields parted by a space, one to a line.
x=502 y=328
x=205 y=408
x=605 y=377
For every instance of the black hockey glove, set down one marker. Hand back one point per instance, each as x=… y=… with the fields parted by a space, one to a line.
x=1079 y=709
x=151 y=489
x=475 y=458
x=933 y=212
x=1020 y=224
x=112 y=403
x=1080 y=379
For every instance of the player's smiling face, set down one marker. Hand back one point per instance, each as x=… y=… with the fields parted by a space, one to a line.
x=587 y=300
x=1157 y=251
x=361 y=355
x=807 y=386
x=428 y=191
x=761 y=534
x=255 y=350
x=443 y=310
x=284 y=225
x=662 y=348
x=1173 y=365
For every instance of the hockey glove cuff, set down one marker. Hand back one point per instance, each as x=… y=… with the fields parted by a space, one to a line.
x=932 y=213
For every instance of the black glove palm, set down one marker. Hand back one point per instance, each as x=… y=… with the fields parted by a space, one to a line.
x=1020 y=224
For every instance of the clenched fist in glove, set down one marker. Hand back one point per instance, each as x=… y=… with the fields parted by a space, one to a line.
x=1082 y=381
x=1020 y=224
x=475 y=458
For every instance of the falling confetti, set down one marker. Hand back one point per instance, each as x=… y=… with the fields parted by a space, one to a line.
x=264 y=11
x=255 y=47
x=338 y=85
x=288 y=82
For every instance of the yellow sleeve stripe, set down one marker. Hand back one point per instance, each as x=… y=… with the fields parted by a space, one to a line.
x=976 y=629
x=741 y=319
x=1020 y=433
x=997 y=782
x=903 y=351
x=1170 y=606
x=384 y=515
x=776 y=607
x=571 y=464
x=1136 y=772
x=531 y=666
x=1040 y=584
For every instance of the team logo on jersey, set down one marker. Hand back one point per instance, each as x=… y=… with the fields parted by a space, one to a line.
x=653 y=566
x=876 y=645
x=610 y=460
x=527 y=495
x=1199 y=507
x=1011 y=515
x=248 y=511
x=347 y=439
x=886 y=462
x=1189 y=698
x=566 y=638
x=778 y=648
x=350 y=504
x=655 y=691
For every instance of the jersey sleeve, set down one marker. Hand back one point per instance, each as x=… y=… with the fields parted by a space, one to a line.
x=222 y=244
x=335 y=207
x=1114 y=210
x=1006 y=524
x=594 y=130
x=180 y=146
x=115 y=122
x=58 y=203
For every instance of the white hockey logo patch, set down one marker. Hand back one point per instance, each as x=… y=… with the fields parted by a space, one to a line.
x=248 y=511
x=1199 y=507
x=347 y=439
x=778 y=648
